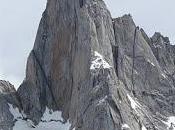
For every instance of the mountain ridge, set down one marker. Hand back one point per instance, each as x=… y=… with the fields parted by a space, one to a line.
x=100 y=73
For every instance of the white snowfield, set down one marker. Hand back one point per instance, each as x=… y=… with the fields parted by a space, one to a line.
x=50 y=121
x=99 y=62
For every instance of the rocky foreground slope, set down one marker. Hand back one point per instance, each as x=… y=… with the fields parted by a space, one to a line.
x=88 y=71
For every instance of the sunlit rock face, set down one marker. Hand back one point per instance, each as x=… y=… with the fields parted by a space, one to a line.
x=59 y=66
x=88 y=71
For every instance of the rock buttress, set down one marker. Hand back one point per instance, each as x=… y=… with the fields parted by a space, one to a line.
x=102 y=73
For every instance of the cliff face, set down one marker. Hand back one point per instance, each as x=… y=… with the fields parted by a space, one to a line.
x=8 y=97
x=58 y=69
x=100 y=73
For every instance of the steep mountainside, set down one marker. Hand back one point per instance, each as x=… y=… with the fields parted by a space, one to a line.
x=88 y=71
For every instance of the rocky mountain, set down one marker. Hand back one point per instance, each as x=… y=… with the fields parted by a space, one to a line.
x=88 y=71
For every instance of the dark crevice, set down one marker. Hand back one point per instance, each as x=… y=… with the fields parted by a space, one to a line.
x=112 y=119
x=119 y=95
x=53 y=120
x=88 y=106
x=115 y=50
x=45 y=34
x=133 y=57
x=115 y=107
x=81 y=2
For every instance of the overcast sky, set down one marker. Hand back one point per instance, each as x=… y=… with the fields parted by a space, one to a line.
x=19 y=21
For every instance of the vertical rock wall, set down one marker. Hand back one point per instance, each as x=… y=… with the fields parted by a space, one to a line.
x=101 y=73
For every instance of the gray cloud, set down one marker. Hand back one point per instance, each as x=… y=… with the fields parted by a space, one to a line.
x=20 y=18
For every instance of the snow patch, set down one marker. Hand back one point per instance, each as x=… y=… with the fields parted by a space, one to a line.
x=134 y=104
x=143 y=127
x=170 y=123
x=53 y=126
x=137 y=107
x=51 y=115
x=125 y=126
x=26 y=125
x=102 y=100
x=22 y=125
x=164 y=76
x=99 y=62
x=50 y=121
x=151 y=63
x=136 y=72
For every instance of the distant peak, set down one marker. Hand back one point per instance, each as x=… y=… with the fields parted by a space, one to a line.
x=158 y=36
x=6 y=86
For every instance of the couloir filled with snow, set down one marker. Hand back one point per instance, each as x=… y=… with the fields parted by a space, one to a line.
x=50 y=121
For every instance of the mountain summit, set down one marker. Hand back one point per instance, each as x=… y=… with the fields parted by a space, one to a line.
x=88 y=71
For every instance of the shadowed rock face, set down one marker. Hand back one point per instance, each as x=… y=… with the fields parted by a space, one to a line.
x=101 y=73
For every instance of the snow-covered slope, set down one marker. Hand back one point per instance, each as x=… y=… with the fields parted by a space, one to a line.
x=51 y=120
